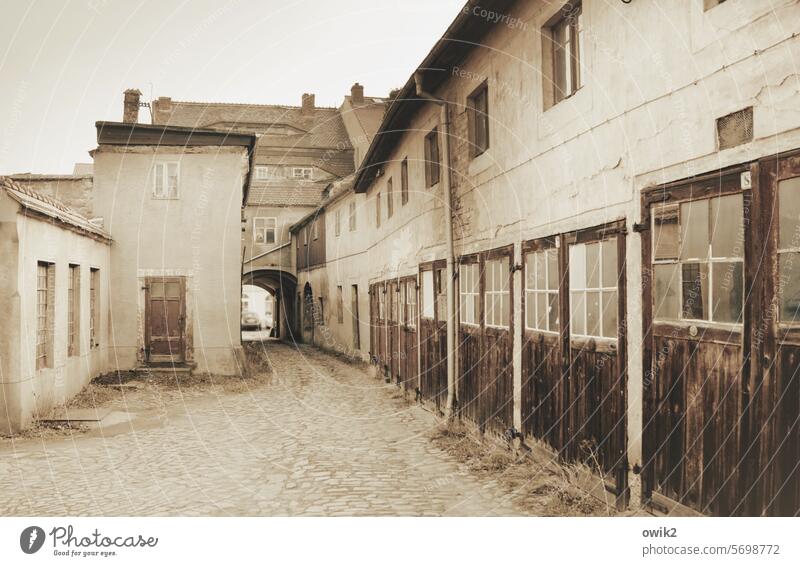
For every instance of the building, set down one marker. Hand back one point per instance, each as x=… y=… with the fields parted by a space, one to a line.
x=54 y=285
x=75 y=191
x=584 y=239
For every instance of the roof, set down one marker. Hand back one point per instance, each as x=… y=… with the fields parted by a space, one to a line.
x=47 y=177
x=333 y=192
x=270 y=195
x=462 y=36
x=52 y=208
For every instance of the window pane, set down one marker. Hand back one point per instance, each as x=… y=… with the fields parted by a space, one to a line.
x=541 y=311
x=610 y=274
x=552 y=270
x=427 y=294
x=666 y=243
x=727 y=292
x=789 y=205
x=577 y=266
x=694 y=230
x=666 y=295
x=695 y=290
x=593 y=313
x=789 y=278
x=506 y=309
x=577 y=319
x=610 y=314
x=157 y=289
x=553 y=311
x=593 y=265
x=540 y=271
x=727 y=235
x=530 y=271
x=530 y=310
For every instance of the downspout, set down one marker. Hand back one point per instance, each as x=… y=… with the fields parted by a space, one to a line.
x=452 y=345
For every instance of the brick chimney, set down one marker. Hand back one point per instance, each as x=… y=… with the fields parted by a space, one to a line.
x=161 y=109
x=357 y=94
x=130 y=108
x=308 y=103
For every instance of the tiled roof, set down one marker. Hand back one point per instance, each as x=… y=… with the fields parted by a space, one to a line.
x=51 y=207
x=285 y=196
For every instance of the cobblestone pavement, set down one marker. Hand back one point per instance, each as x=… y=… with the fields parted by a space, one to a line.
x=321 y=438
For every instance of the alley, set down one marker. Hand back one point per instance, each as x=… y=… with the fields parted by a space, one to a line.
x=322 y=437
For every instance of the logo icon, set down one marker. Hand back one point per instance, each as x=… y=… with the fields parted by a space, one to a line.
x=31 y=539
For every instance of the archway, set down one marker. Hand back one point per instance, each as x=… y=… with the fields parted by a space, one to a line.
x=281 y=286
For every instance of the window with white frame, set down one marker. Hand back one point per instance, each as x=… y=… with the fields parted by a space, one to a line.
x=541 y=290
x=497 y=302
x=469 y=291
x=566 y=35
x=427 y=291
x=789 y=250
x=305 y=173
x=440 y=281
x=166 y=180
x=593 y=289
x=698 y=260
x=410 y=303
x=45 y=298
x=265 y=230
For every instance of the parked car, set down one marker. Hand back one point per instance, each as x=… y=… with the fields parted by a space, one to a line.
x=250 y=321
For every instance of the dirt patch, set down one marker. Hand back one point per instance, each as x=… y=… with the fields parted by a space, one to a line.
x=540 y=487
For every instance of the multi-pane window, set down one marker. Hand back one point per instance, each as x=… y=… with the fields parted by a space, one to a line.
x=593 y=289
x=698 y=260
x=478 y=116
x=389 y=199
x=338 y=222
x=441 y=294
x=378 y=210
x=789 y=250
x=264 y=230
x=567 y=41
x=305 y=173
x=73 y=310
x=497 y=299
x=339 y=305
x=165 y=180
x=352 y=216
x=541 y=290
x=404 y=182
x=427 y=293
x=432 y=158
x=469 y=292
x=410 y=302
x=263 y=172
x=94 y=307
x=45 y=280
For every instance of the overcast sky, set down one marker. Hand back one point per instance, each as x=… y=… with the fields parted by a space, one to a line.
x=64 y=65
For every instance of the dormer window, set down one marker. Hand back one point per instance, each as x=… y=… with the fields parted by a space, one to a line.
x=304 y=173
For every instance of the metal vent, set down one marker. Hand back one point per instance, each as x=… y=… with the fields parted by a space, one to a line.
x=735 y=128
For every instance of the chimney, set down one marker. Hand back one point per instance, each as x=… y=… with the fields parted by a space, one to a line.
x=357 y=94
x=308 y=103
x=130 y=109
x=161 y=109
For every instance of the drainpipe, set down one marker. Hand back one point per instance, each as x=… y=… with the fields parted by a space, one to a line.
x=452 y=345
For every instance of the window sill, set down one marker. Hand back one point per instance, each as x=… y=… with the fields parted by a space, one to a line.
x=480 y=163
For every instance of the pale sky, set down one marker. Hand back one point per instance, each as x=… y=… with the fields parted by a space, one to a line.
x=64 y=65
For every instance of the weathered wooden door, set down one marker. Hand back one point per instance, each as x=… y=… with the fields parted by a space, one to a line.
x=595 y=282
x=378 y=327
x=409 y=349
x=355 y=317
x=393 y=329
x=470 y=339
x=543 y=407
x=165 y=318
x=433 y=334
x=695 y=243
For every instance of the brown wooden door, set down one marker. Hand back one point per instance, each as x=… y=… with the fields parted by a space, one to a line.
x=393 y=329
x=409 y=350
x=433 y=334
x=165 y=319
x=595 y=392
x=543 y=405
x=354 y=314
x=378 y=327
x=470 y=339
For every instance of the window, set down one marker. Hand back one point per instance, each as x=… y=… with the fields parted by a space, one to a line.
x=441 y=294
x=74 y=310
x=305 y=173
x=338 y=222
x=427 y=294
x=593 y=289
x=469 y=292
x=789 y=250
x=478 y=118
x=432 y=158
x=315 y=229
x=305 y=235
x=567 y=41
x=496 y=298
x=698 y=261
x=264 y=230
x=165 y=180
x=541 y=290
x=353 y=216
x=404 y=182
x=339 y=305
x=94 y=307
x=262 y=172
x=378 y=210
x=389 y=199
x=45 y=310
x=410 y=315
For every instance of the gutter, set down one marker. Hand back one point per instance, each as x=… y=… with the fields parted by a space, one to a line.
x=452 y=345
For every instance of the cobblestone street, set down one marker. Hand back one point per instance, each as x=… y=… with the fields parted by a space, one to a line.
x=320 y=438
